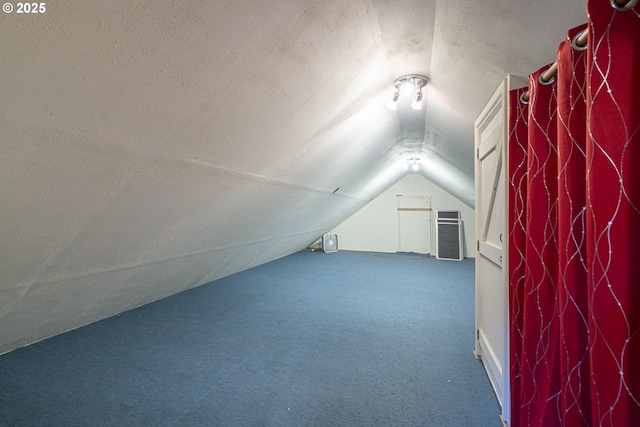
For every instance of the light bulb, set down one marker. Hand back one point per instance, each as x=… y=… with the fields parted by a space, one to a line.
x=407 y=87
x=417 y=102
x=393 y=102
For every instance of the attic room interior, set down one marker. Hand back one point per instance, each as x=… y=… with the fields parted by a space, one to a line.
x=237 y=213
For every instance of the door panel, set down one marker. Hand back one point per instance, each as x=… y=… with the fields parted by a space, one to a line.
x=414 y=224
x=491 y=292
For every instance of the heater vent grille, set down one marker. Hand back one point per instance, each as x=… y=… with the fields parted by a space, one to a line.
x=449 y=235
x=330 y=243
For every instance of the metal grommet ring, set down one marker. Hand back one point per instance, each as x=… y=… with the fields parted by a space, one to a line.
x=546 y=82
x=524 y=98
x=627 y=6
x=574 y=42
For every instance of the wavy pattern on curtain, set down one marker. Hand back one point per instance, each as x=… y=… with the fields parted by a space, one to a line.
x=574 y=215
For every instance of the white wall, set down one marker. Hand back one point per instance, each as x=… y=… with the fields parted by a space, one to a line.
x=374 y=228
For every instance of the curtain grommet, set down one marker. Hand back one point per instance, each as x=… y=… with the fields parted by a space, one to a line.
x=627 y=6
x=524 y=97
x=574 y=42
x=546 y=82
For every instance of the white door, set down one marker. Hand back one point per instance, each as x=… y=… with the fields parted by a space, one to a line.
x=492 y=321
x=414 y=224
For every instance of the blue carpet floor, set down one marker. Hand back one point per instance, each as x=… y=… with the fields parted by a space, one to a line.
x=313 y=339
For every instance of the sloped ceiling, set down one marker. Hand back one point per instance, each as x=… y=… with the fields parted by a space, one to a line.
x=149 y=147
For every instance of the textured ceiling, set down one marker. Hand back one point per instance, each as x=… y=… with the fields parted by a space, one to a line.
x=149 y=147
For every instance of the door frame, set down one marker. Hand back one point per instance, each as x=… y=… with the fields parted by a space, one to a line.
x=423 y=205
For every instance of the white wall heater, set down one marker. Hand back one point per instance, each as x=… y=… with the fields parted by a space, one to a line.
x=449 y=235
x=330 y=243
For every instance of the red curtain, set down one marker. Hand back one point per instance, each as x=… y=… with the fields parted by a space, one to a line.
x=574 y=221
x=517 y=196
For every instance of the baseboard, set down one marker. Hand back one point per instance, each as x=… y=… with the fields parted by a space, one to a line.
x=478 y=356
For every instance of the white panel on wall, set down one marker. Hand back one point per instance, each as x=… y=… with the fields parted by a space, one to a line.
x=414 y=224
x=374 y=228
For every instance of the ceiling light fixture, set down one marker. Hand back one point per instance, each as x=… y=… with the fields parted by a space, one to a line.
x=413 y=164
x=407 y=86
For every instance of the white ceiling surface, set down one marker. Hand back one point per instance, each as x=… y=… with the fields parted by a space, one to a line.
x=149 y=147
